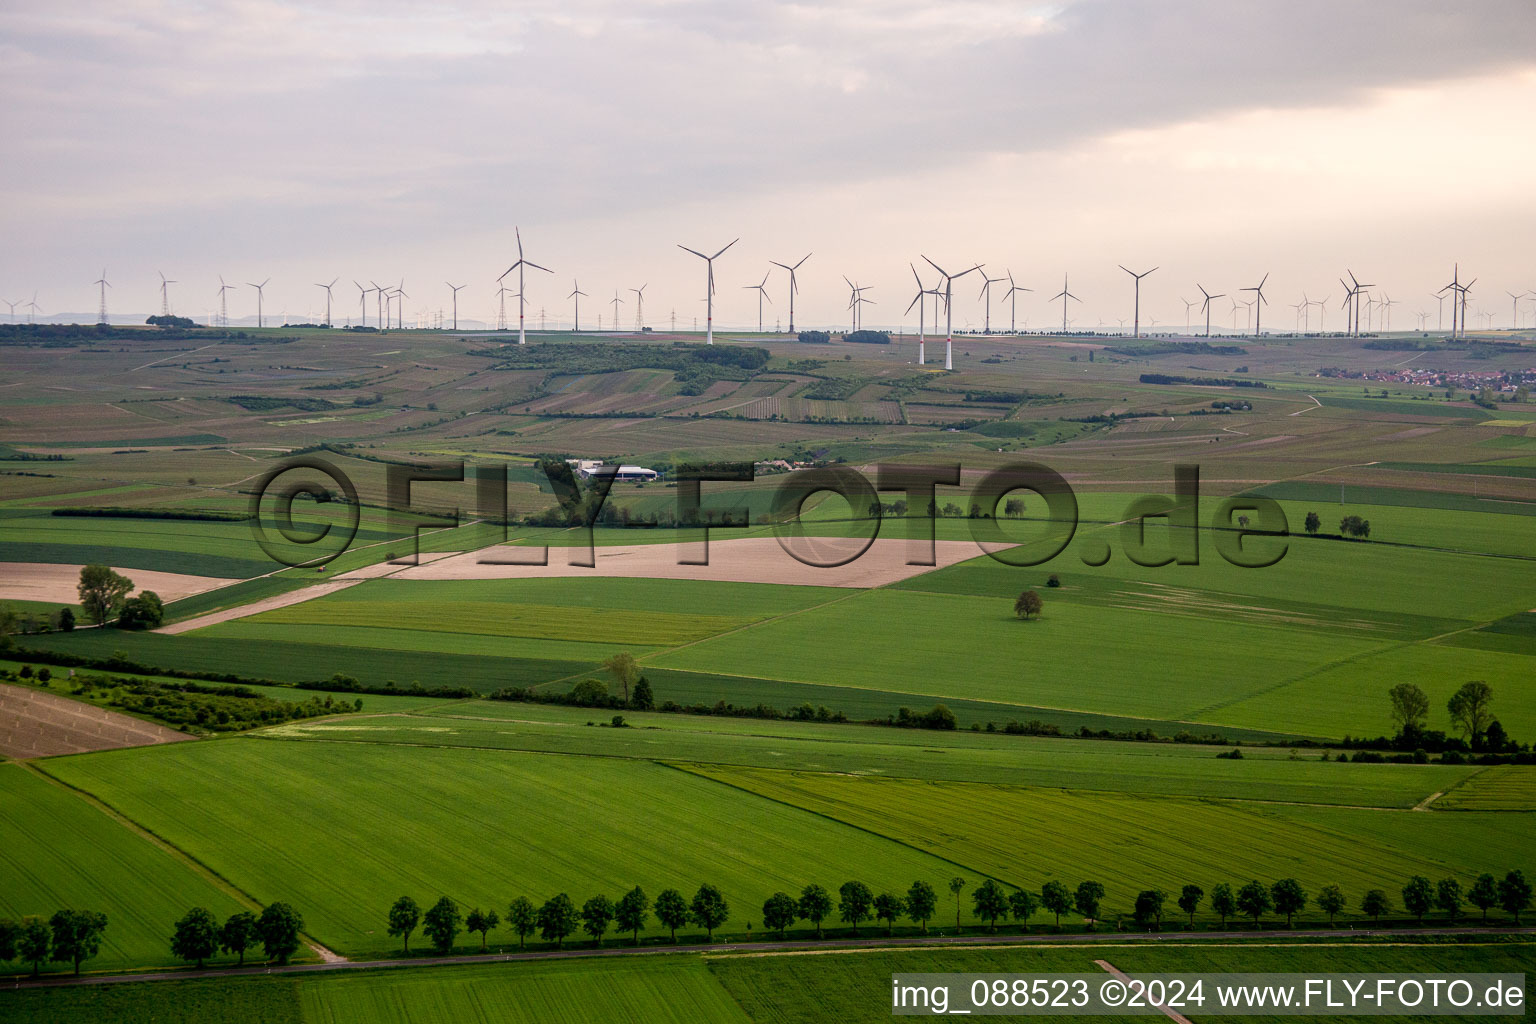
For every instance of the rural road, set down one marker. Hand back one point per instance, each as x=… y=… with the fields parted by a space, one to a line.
x=1076 y=938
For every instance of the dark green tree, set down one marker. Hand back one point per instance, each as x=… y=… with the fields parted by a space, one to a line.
x=1514 y=894
x=1254 y=900
x=1484 y=894
x=1330 y=900
x=1023 y=904
x=1223 y=901
x=441 y=924
x=815 y=905
x=889 y=908
x=1471 y=709
x=1418 y=897
x=1056 y=898
x=238 y=934
x=1189 y=901
x=557 y=918
x=644 y=699
x=1087 y=899
x=1149 y=907
x=780 y=911
x=1028 y=605
x=956 y=886
x=625 y=671
x=672 y=910
x=989 y=902
x=102 y=592
x=196 y=936
x=853 y=903
x=633 y=908
x=1410 y=708
x=404 y=916
x=1289 y=898
x=143 y=612
x=481 y=921
x=67 y=620
x=1375 y=904
x=596 y=916
x=76 y=935
x=1448 y=897
x=522 y=919
x=9 y=932
x=279 y=927
x=1313 y=522
x=709 y=910
x=32 y=938
x=922 y=903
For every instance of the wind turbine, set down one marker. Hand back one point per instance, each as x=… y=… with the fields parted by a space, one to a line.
x=399 y=296
x=1306 y=310
x=455 y=288
x=616 y=303
x=986 y=298
x=362 y=301
x=762 y=293
x=949 y=315
x=709 y=295
x=1322 y=313
x=1297 y=307
x=32 y=308
x=103 y=284
x=920 y=301
x=519 y=266
x=639 y=306
x=328 y=288
x=1259 y=302
x=1514 y=311
x=576 y=293
x=1187 y=304
x=1422 y=317
x=13 y=306
x=165 y=295
x=1064 y=295
x=855 y=299
x=1464 y=290
x=224 y=302
x=1205 y=307
x=1137 y=326
x=1013 y=304
x=793 y=287
x=1387 y=302
x=260 y=294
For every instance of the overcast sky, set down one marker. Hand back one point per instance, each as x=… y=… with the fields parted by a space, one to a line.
x=381 y=140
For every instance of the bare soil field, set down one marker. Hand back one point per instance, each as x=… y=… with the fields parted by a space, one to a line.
x=56 y=582
x=748 y=560
x=37 y=724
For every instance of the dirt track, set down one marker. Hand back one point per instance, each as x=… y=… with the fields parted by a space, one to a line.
x=55 y=582
x=38 y=724
x=748 y=560
x=264 y=605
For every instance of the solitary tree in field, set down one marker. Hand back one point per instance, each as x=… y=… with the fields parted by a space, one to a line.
x=922 y=903
x=1149 y=907
x=780 y=911
x=1313 y=522
x=1330 y=900
x=1375 y=904
x=625 y=671
x=238 y=934
x=1484 y=894
x=1223 y=902
x=1514 y=894
x=481 y=921
x=1087 y=899
x=1471 y=709
x=9 y=932
x=957 y=884
x=522 y=919
x=1418 y=896
x=1189 y=901
x=672 y=910
x=630 y=912
x=557 y=919
x=196 y=936
x=853 y=903
x=1289 y=898
x=1027 y=605
x=1253 y=899
x=102 y=592
x=441 y=924
x=32 y=939
x=1023 y=904
x=889 y=908
x=596 y=916
x=404 y=916
x=1410 y=708
x=1448 y=897
x=709 y=910
x=76 y=935
x=815 y=905
x=990 y=902
x=1057 y=898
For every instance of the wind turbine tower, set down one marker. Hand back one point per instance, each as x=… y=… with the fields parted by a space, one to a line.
x=102 y=285
x=1136 y=324
x=1259 y=302
x=640 y=306
x=762 y=293
x=616 y=303
x=576 y=293
x=709 y=294
x=793 y=286
x=522 y=303
x=223 y=302
x=260 y=295
x=328 y=288
x=949 y=315
x=455 y=288
x=1205 y=307
x=986 y=298
x=1064 y=295
x=165 y=294
x=1013 y=303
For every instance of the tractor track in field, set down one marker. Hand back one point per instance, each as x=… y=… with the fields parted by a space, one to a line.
x=800 y=947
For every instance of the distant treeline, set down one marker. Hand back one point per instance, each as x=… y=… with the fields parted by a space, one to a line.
x=1162 y=348
x=868 y=337
x=814 y=337
x=272 y=403
x=1226 y=382
x=118 y=512
x=64 y=335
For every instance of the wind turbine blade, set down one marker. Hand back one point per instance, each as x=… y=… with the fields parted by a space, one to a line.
x=694 y=251
x=732 y=242
x=935 y=266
